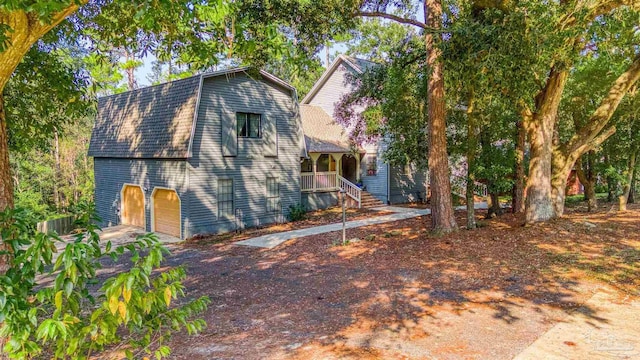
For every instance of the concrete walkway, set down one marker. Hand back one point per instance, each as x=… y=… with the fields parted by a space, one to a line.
x=605 y=327
x=118 y=235
x=399 y=213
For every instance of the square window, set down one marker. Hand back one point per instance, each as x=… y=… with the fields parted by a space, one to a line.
x=248 y=125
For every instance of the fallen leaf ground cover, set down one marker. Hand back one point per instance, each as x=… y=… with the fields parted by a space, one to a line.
x=312 y=218
x=481 y=294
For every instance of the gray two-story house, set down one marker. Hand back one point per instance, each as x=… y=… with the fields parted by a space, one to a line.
x=206 y=154
x=328 y=143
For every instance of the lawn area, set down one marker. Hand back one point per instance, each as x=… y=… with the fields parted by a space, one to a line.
x=482 y=294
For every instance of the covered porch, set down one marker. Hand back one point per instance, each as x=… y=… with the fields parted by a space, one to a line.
x=329 y=171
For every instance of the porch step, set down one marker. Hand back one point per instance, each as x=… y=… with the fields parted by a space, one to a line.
x=369 y=201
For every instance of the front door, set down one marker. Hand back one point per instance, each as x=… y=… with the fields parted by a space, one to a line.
x=349 y=168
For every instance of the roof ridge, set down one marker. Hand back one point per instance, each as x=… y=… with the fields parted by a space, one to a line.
x=149 y=86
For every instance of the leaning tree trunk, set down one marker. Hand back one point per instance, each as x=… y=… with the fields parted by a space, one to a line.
x=442 y=215
x=517 y=205
x=588 y=137
x=538 y=203
x=25 y=30
x=624 y=198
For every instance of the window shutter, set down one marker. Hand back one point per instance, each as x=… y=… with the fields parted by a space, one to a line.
x=270 y=135
x=229 y=139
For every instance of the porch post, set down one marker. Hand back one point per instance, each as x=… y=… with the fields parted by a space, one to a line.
x=337 y=159
x=357 y=167
x=314 y=161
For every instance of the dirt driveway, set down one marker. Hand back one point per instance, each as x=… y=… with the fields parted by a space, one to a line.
x=483 y=294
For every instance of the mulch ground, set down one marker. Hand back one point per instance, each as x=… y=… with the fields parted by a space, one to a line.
x=312 y=218
x=475 y=294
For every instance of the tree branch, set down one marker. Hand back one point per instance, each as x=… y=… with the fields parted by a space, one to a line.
x=395 y=18
x=592 y=132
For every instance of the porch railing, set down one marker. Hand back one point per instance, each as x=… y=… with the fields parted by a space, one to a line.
x=322 y=181
x=350 y=189
x=459 y=187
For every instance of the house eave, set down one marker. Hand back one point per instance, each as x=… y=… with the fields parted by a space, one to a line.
x=325 y=76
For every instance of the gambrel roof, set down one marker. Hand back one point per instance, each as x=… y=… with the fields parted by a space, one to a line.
x=156 y=121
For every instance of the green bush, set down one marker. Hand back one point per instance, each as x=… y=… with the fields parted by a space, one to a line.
x=66 y=316
x=297 y=212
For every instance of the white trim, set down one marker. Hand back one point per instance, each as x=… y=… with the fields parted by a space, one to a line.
x=144 y=203
x=244 y=69
x=194 y=123
x=153 y=193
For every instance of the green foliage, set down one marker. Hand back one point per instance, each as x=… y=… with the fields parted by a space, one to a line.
x=377 y=40
x=297 y=212
x=66 y=317
x=393 y=96
x=48 y=184
x=33 y=110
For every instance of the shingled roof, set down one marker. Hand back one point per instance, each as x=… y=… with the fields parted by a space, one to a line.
x=152 y=122
x=321 y=133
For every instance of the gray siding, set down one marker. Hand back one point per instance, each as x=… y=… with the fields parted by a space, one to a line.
x=112 y=174
x=333 y=90
x=319 y=200
x=407 y=187
x=251 y=166
x=376 y=185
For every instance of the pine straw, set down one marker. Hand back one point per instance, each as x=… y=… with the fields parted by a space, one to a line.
x=485 y=293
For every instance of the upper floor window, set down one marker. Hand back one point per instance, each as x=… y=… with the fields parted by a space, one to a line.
x=248 y=125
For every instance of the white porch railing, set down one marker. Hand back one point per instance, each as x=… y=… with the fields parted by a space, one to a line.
x=459 y=187
x=323 y=181
x=350 y=189
x=329 y=181
x=306 y=182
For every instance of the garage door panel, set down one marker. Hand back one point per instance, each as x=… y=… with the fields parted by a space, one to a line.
x=166 y=210
x=133 y=206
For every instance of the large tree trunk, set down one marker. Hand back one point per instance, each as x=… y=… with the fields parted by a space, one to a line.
x=442 y=215
x=631 y=164
x=517 y=204
x=538 y=203
x=494 y=207
x=26 y=29
x=6 y=181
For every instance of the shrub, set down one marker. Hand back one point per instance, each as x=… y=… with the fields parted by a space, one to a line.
x=297 y=212
x=68 y=317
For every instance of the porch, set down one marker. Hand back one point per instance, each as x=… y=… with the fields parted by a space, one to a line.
x=330 y=172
